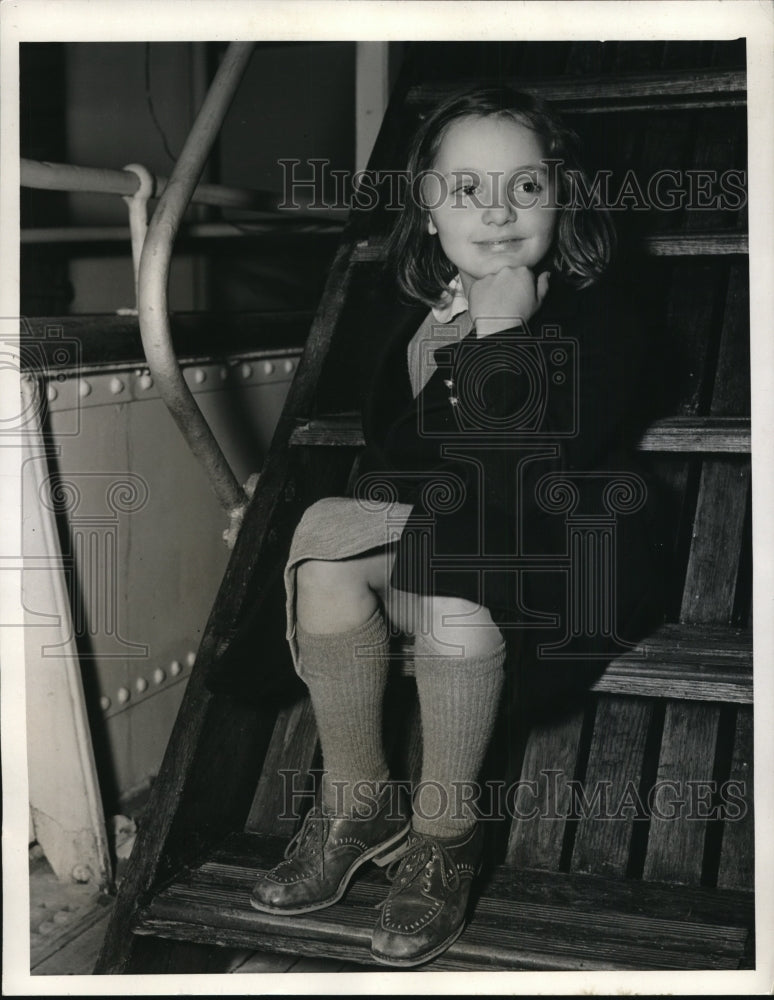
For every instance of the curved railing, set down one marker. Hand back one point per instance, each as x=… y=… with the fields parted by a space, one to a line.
x=154 y=280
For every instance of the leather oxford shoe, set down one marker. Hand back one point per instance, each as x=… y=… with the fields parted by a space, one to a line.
x=326 y=852
x=424 y=912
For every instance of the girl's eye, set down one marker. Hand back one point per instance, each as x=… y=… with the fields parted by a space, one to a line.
x=529 y=187
x=468 y=189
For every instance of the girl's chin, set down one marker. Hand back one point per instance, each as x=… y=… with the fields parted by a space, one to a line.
x=503 y=260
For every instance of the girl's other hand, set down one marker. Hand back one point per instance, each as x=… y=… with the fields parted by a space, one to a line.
x=510 y=296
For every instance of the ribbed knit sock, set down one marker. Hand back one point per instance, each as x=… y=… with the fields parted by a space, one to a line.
x=458 y=700
x=346 y=673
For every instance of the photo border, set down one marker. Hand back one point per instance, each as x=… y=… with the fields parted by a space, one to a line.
x=360 y=20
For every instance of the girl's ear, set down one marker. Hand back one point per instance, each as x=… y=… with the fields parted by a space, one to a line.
x=431 y=227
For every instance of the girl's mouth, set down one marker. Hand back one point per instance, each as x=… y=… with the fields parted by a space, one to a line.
x=500 y=245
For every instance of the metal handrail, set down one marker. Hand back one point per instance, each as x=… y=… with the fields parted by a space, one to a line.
x=154 y=279
x=175 y=194
x=96 y=180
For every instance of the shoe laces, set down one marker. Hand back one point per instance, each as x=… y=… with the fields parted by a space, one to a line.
x=424 y=854
x=308 y=843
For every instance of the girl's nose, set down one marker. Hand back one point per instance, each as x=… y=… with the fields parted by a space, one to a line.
x=499 y=211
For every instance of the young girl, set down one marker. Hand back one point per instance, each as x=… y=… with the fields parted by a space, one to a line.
x=512 y=390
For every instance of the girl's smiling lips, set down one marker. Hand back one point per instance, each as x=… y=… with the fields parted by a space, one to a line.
x=500 y=243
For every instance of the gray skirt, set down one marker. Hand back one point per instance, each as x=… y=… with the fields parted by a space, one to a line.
x=338 y=528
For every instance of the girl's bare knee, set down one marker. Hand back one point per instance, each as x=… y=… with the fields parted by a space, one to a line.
x=456 y=627
x=329 y=584
x=333 y=595
x=320 y=574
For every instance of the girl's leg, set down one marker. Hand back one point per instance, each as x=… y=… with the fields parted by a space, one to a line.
x=458 y=657
x=458 y=660
x=338 y=595
x=344 y=658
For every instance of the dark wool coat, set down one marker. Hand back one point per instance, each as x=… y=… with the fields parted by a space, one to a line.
x=517 y=458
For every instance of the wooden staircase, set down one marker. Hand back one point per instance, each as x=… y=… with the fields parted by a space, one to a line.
x=659 y=873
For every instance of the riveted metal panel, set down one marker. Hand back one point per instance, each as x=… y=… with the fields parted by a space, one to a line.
x=141 y=539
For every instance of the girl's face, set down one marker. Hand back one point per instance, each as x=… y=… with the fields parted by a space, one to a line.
x=493 y=207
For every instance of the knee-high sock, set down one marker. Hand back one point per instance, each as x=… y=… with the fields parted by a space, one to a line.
x=346 y=673
x=458 y=700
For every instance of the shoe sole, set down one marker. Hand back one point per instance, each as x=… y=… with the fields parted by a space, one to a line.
x=376 y=854
x=407 y=963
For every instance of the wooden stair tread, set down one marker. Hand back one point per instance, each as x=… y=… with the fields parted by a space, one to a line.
x=523 y=920
x=674 y=434
x=637 y=90
x=689 y=662
x=694 y=662
x=700 y=434
x=713 y=244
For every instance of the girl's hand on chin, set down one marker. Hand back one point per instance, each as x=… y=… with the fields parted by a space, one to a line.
x=504 y=299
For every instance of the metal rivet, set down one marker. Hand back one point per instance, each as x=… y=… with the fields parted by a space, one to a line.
x=51 y=392
x=246 y=370
x=289 y=365
x=46 y=927
x=268 y=367
x=200 y=376
x=104 y=703
x=175 y=668
x=159 y=676
x=141 y=684
x=146 y=382
x=190 y=659
x=62 y=916
x=116 y=385
x=84 y=389
x=124 y=694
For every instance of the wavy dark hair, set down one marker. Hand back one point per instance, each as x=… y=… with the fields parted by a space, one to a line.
x=584 y=239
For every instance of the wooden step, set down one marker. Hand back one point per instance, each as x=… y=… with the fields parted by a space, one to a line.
x=675 y=434
x=522 y=919
x=710 y=244
x=689 y=662
x=709 y=88
x=718 y=244
x=698 y=434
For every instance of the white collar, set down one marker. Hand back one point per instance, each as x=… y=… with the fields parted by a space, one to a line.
x=452 y=302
